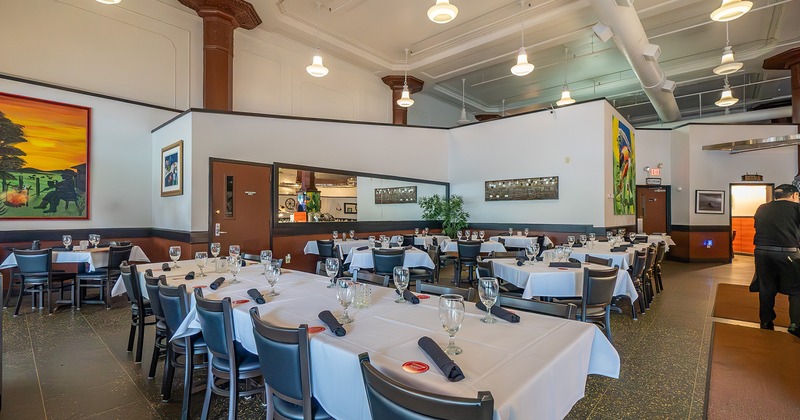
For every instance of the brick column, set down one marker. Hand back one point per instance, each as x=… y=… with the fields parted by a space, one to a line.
x=400 y=114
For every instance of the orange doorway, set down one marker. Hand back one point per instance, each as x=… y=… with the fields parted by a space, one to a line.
x=745 y=199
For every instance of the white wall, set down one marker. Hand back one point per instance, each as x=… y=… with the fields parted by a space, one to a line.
x=680 y=177
x=653 y=147
x=606 y=175
x=368 y=210
x=175 y=212
x=429 y=111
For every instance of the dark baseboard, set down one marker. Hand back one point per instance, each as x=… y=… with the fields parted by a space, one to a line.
x=701 y=228
x=56 y=234
x=316 y=228
x=698 y=260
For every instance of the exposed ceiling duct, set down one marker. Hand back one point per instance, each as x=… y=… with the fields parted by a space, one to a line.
x=619 y=20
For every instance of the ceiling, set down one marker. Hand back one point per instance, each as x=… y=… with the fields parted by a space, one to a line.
x=481 y=44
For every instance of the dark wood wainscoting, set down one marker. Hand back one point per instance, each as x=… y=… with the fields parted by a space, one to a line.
x=690 y=244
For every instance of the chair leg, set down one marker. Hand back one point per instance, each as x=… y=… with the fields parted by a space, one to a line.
x=132 y=335
x=233 y=389
x=187 y=380
x=633 y=309
x=140 y=340
x=207 y=400
x=154 y=359
x=169 y=374
x=19 y=299
x=49 y=303
x=107 y=289
x=608 y=323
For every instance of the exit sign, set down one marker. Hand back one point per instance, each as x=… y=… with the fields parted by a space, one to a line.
x=655 y=172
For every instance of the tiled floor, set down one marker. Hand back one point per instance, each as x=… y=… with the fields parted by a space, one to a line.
x=74 y=364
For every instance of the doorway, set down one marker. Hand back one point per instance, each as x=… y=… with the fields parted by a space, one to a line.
x=745 y=199
x=653 y=208
x=240 y=205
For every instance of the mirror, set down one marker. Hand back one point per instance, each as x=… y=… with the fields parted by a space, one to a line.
x=308 y=194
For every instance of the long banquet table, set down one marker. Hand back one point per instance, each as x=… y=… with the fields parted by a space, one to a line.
x=537 y=367
x=94 y=257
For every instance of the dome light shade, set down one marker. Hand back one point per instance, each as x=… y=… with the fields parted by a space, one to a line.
x=442 y=12
x=463 y=119
x=730 y=10
x=405 y=98
x=565 y=98
x=727 y=98
x=316 y=68
x=109 y=1
x=523 y=67
x=729 y=65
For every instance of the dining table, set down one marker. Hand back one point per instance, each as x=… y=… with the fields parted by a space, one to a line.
x=521 y=241
x=344 y=246
x=92 y=257
x=423 y=241
x=362 y=259
x=623 y=259
x=486 y=246
x=537 y=367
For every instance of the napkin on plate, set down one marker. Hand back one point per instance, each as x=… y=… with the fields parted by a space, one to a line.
x=257 y=296
x=577 y=245
x=565 y=264
x=450 y=369
x=499 y=312
x=189 y=275
x=332 y=323
x=165 y=267
x=217 y=283
x=574 y=260
x=407 y=295
x=362 y=248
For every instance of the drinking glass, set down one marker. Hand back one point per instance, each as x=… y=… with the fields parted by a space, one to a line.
x=401 y=276
x=234 y=265
x=200 y=258
x=371 y=241
x=488 y=289
x=94 y=239
x=332 y=269
x=66 y=240
x=468 y=234
x=582 y=239
x=352 y=234
x=459 y=234
x=344 y=236
x=621 y=232
x=592 y=236
x=571 y=240
x=531 y=251
x=175 y=254
x=385 y=242
x=234 y=250
x=560 y=253
x=215 y=249
x=265 y=257
x=510 y=231
x=335 y=234
x=632 y=236
x=346 y=292
x=425 y=231
x=451 y=313
x=481 y=234
x=416 y=231
x=609 y=235
x=525 y=231
x=272 y=272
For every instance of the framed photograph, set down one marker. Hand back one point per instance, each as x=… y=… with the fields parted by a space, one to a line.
x=44 y=159
x=350 y=208
x=709 y=201
x=172 y=169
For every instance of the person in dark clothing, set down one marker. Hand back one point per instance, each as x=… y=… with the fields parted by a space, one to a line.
x=777 y=257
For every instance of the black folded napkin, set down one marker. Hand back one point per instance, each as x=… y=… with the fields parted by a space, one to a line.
x=378 y=245
x=602 y=240
x=165 y=267
x=450 y=369
x=62 y=249
x=574 y=260
x=577 y=245
x=332 y=323
x=407 y=295
x=217 y=283
x=521 y=261
x=189 y=275
x=394 y=245
x=256 y=295
x=408 y=247
x=499 y=312
x=540 y=258
x=619 y=249
x=362 y=248
x=244 y=262
x=103 y=245
x=565 y=264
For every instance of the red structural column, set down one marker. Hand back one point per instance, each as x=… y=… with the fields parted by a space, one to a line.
x=400 y=114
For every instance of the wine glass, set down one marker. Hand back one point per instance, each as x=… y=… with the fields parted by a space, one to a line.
x=401 y=276
x=481 y=234
x=175 y=254
x=592 y=238
x=94 y=239
x=265 y=257
x=346 y=292
x=234 y=265
x=451 y=313
x=66 y=240
x=371 y=241
x=352 y=234
x=632 y=236
x=582 y=239
x=525 y=231
x=570 y=240
x=215 y=248
x=559 y=253
x=200 y=258
x=385 y=242
x=425 y=231
x=510 y=231
x=416 y=231
x=332 y=269
x=459 y=234
x=488 y=289
x=621 y=232
x=335 y=234
x=531 y=250
x=272 y=272
x=234 y=250
x=609 y=235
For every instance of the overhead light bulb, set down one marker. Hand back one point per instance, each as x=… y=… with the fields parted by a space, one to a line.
x=729 y=64
x=565 y=98
x=730 y=10
x=523 y=67
x=109 y=1
x=727 y=98
x=316 y=68
x=405 y=98
x=442 y=12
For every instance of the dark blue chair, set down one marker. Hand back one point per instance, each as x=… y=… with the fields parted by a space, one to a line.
x=286 y=366
x=161 y=337
x=37 y=276
x=385 y=260
x=140 y=308
x=229 y=360
x=103 y=278
x=468 y=252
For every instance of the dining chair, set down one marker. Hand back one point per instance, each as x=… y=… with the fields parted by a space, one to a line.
x=160 y=338
x=647 y=277
x=175 y=302
x=661 y=251
x=38 y=277
x=608 y=262
x=251 y=257
x=325 y=249
x=507 y=254
x=560 y=310
x=435 y=289
x=15 y=282
x=408 y=240
x=598 y=292
x=140 y=308
x=390 y=399
x=444 y=258
x=285 y=362
x=433 y=254
x=364 y=276
x=636 y=271
x=468 y=252
x=103 y=278
x=385 y=260
x=229 y=360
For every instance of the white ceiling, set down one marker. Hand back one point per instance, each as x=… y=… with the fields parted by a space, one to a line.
x=480 y=45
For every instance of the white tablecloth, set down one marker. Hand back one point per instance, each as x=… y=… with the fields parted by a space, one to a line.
x=413 y=258
x=344 y=246
x=541 y=280
x=486 y=247
x=520 y=241
x=603 y=250
x=654 y=239
x=536 y=368
x=96 y=257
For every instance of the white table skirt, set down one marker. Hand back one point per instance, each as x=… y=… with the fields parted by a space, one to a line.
x=363 y=259
x=541 y=280
x=344 y=246
x=654 y=239
x=486 y=247
x=93 y=257
x=520 y=241
x=536 y=366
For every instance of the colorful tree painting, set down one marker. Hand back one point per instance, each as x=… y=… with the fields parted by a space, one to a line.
x=624 y=168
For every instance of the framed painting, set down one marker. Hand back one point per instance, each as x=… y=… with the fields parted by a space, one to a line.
x=350 y=208
x=44 y=159
x=623 y=173
x=172 y=169
x=709 y=201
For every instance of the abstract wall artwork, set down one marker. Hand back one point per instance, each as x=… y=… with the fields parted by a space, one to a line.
x=541 y=188
x=396 y=195
x=172 y=169
x=624 y=168
x=44 y=159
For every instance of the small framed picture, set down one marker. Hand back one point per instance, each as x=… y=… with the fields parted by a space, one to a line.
x=709 y=201
x=350 y=208
x=172 y=169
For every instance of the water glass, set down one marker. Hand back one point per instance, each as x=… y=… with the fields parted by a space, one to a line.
x=175 y=254
x=451 y=313
x=531 y=251
x=488 y=289
x=234 y=250
x=468 y=234
x=592 y=236
x=416 y=231
x=335 y=234
x=352 y=234
x=265 y=257
x=621 y=232
x=632 y=236
x=371 y=241
x=481 y=234
x=459 y=234
x=570 y=241
x=332 y=269
x=525 y=231
x=272 y=272
x=363 y=296
x=344 y=236
x=345 y=293
x=510 y=231
x=385 y=242
x=582 y=239
x=66 y=240
x=609 y=235
x=234 y=265
x=401 y=277
x=200 y=258
x=425 y=231
x=94 y=239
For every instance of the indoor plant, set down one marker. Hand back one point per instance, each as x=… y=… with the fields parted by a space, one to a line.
x=451 y=212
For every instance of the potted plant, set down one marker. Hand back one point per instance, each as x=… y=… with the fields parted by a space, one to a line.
x=451 y=212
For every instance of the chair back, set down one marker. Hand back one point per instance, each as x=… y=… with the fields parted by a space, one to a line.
x=325 y=248
x=560 y=310
x=433 y=253
x=540 y=241
x=216 y=322
x=502 y=241
x=469 y=250
x=661 y=251
x=598 y=287
x=608 y=262
x=507 y=254
x=650 y=261
x=130 y=277
x=385 y=260
x=639 y=261
x=174 y=305
x=252 y=257
x=408 y=240
x=34 y=262
x=364 y=276
x=485 y=268
x=435 y=289
x=117 y=254
x=390 y=399
x=151 y=284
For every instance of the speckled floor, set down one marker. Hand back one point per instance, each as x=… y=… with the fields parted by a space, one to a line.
x=74 y=364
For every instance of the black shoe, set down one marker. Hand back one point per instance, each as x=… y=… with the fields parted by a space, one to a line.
x=794 y=330
x=768 y=326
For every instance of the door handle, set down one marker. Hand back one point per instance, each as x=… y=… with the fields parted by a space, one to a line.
x=217 y=232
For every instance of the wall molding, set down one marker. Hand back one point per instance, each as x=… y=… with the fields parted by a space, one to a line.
x=77 y=234
x=701 y=228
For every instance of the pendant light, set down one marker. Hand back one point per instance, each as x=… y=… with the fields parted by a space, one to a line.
x=727 y=98
x=522 y=68
x=565 y=97
x=463 y=119
x=442 y=12
x=109 y=1
x=405 y=98
x=730 y=10
x=728 y=64
x=316 y=68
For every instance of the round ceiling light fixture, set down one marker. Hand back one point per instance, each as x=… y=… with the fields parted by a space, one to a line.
x=730 y=10
x=727 y=98
x=442 y=12
x=109 y=1
x=316 y=68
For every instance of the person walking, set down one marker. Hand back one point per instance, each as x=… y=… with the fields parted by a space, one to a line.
x=777 y=257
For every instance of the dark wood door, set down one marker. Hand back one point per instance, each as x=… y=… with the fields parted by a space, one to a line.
x=652 y=205
x=241 y=197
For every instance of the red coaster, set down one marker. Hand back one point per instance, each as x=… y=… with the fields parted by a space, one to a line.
x=314 y=330
x=199 y=287
x=241 y=301
x=415 y=367
x=424 y=296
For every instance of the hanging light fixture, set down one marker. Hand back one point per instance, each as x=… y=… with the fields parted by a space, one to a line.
x=565 y=97
x=729 y=64
x=463 y=119
x=730 y=10
x=109 y=1
x=522 y=68
x=316 y=68
x=442 y=12
x=727 y=98
x=405 y=98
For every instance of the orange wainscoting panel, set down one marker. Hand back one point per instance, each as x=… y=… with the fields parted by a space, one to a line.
x=745 y=231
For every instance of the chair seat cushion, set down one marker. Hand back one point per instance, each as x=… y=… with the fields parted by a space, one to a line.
x=198 y=343
x=593 y=312
x=246 y=361
x=295 y=412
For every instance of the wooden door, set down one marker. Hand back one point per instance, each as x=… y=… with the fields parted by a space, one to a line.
x=240 y=208
x=652 y=205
